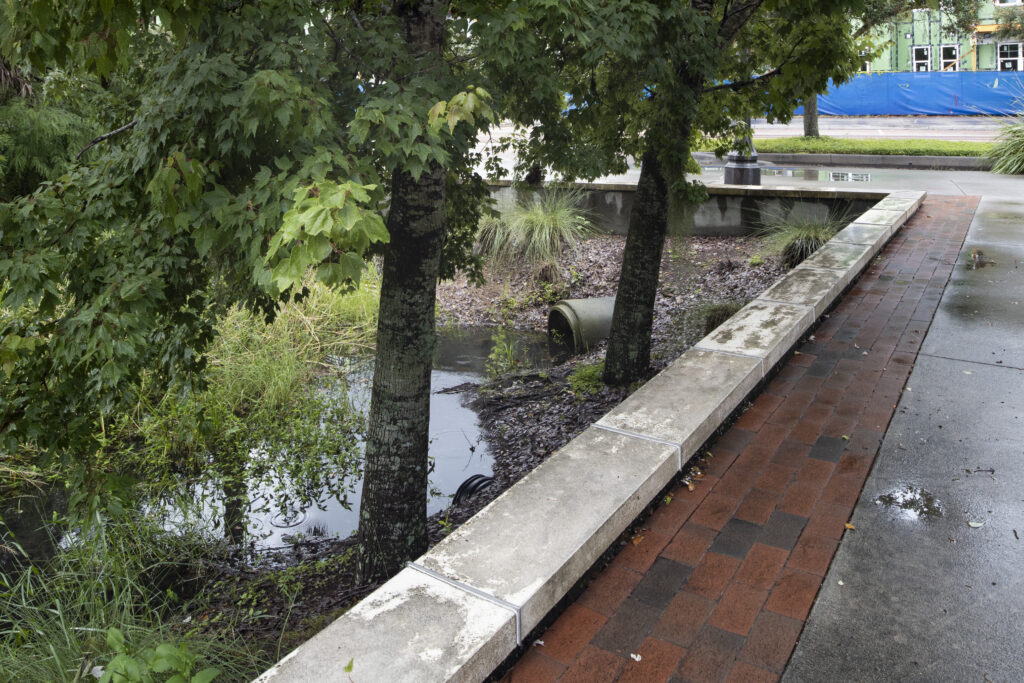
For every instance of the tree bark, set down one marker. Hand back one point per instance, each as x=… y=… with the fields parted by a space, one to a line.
x=811 y=117
x=393 y=510
x=629 y=344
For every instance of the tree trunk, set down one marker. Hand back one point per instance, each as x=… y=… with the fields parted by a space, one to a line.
x=393 y=511
x=629 y=343
x=811 y=117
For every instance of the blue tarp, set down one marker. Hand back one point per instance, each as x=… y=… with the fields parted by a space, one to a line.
x=936 y=93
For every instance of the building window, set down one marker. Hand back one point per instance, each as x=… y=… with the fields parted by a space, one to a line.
x=1011 y=57
x=950 y=57
x=922 y=58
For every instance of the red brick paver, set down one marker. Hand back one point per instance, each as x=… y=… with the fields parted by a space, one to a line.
x=722 y=578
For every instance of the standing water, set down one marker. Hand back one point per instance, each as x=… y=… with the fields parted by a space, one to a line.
x=457 y=447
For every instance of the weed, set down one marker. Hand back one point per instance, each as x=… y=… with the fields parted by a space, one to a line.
x=585 y=379
x=714 y=314
x=505 y=356
x=57 y=620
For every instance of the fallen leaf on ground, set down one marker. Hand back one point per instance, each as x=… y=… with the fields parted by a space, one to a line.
x=850 y=526
x=638 y=539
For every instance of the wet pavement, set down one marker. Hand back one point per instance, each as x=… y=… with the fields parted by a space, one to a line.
x=938 y=597
x=719 y=581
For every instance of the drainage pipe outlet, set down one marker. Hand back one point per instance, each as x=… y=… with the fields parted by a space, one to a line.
x=580 y=324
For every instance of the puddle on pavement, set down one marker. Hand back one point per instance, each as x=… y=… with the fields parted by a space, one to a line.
x=978 y=260
x=912 y=501
x=812 y=174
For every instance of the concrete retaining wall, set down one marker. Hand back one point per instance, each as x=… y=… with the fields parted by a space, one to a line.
x=724 y=214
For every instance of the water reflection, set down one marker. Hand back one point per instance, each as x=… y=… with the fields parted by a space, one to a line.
x=810 y=174
x=911 y=501
x=457 y=448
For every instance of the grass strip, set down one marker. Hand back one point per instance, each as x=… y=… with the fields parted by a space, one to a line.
x=888 y=147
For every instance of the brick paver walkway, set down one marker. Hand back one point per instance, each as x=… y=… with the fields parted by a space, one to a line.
x=718 y=583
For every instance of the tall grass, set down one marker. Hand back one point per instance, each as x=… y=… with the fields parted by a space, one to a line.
x=128 y=575
x=262 y=398
x=537 y=228
x=1008 y=149
x=263 y=365
x=794 y=238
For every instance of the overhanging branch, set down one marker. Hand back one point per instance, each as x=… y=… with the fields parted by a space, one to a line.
x=127 y=126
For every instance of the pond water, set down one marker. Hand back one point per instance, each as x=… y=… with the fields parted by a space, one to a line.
x=457 y=447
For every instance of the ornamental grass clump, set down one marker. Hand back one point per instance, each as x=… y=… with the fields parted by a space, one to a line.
x=537 y=228
x=793 y=238
x=1008 y=149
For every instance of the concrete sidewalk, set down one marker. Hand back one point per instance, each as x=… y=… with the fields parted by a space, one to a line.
x=930 y=586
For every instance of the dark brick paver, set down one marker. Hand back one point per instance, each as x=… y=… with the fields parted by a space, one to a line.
x=717 y=585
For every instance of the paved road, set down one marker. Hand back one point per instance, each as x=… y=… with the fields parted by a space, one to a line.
x=975 y=128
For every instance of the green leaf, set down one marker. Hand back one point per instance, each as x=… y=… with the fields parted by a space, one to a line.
x=348 y=667
x=435 y=113
x=115 y=639
x=206 y=675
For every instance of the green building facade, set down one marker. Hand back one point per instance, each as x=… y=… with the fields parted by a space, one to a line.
x=925 y=41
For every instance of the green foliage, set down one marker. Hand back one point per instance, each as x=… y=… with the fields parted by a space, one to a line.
x=116 y=597
x=506 y=355
x=793 y=238
x=1008 y=149
x=537 y=228
x=260 y=142
x=907 y=147
x=131 y=666
x=585 y=379
x=962 y=15
x=1011 y=23
x=326 y=217
x=36 y=144
x=263 y=420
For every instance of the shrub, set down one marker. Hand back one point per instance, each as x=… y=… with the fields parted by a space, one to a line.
x=794 y=238
x=1008 y=149
x=537 y=228
x=714 y=314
